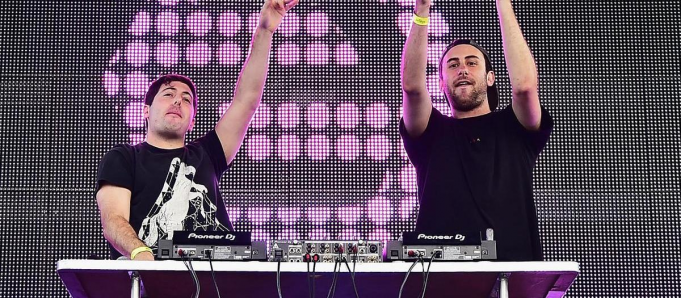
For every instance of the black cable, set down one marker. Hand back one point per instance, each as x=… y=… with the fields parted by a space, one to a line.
x=188 y=263
x=407 y=276
x=352 y=277
x=309 y=284
x=425 y=283
x=314 y=268
x=279 y=277
x=212 y=272
x=333 y=282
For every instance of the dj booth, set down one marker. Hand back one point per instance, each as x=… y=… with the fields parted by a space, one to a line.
x=170 y=278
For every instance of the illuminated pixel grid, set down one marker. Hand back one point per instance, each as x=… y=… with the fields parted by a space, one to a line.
x=323 y=158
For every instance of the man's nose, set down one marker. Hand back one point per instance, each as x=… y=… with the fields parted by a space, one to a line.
x=463 y=70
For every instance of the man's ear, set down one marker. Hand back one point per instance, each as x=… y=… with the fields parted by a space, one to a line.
x=191 y=124
x=490 y=78
x=145 y=112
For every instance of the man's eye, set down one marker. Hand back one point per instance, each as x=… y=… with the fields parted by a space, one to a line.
x=186 y=99
x=454 y=65
x=472 y=63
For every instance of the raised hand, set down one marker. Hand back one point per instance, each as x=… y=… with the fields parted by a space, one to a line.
x=273 y=12
x=422 y=8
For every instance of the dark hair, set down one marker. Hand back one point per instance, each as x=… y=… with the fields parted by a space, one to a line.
x=492 y=91
x=165 y=80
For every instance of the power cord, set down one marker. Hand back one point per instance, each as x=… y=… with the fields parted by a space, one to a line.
x=407 y=276
x=208 y=253
x=279 y=277
x=188 y=263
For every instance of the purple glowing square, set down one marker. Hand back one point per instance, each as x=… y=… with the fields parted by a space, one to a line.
x=317 y=24
x=435 y=50
x=115 y=57
x=346 y=54
x=400 y=148
x=347 y=115
x=318 y=215
x=288 y=147
x=438 y=26
x=433 y=84
x=290 y=25
x=377 y=115
x=258 y=215
x=288 y=54
x=347 y=147
x=111 y=83
x=387 y=182
x=198 y=53
x=137 y=53
x=229 y=23
x=168 y=2
x=404 y=21
x=408 y=179
x=318 y=147
x=288 y=215
x=319 y=234
x=167 y=23
x=318 y=115
x=443 y=107
x=261 y=119
x=288 y=234
x=136 y=84
x=141 y=24
x=378 y=210
x=348 y=234
x=349 y=215
x=234 y=213
x=379 y=234
x=259 y=235
x=288 y=115
x=253 y=20
x=407 y=206
x=134 y=114
x=229 y=53
x=198 y=23
x=258 y=147
x=378 y=147
x=223 y=108
x=136 y=138
x=317 y=54
x=167 y=53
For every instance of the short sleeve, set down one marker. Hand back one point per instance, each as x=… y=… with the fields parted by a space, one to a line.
x=211 y=144
x=535 y=140
x=419 y=148
x=116 y=168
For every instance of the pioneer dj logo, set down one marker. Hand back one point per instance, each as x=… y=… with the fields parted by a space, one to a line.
x=441 y=237
x=215 y=237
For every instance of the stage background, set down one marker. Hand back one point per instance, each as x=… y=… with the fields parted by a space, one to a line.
x=323 y=157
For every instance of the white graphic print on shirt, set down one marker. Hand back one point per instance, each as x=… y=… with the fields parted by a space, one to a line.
x=181 y=203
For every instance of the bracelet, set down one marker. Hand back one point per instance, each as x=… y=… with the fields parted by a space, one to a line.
x=138 y=250
x=421 y=21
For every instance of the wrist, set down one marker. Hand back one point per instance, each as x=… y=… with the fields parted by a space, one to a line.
x=137 y=251
x=422 y=10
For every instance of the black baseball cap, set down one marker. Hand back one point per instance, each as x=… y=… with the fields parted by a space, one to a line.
x=492 y=91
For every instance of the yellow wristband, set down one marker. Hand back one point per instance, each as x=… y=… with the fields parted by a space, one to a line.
x=138 y=250
x=421 y=21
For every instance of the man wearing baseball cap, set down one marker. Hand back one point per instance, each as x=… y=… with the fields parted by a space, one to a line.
x=474 y=169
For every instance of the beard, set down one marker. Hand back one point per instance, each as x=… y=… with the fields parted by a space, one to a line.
x=468 y=101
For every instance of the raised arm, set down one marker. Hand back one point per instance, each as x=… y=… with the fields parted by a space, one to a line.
x=114 y=207
x=233 y=125
x=415 y=97
x=522 y=70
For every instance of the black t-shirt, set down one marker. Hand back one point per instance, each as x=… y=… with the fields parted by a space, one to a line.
x=476 y=173
x=172 y=190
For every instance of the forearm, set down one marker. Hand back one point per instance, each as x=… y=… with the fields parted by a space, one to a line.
x=251 y=82
x=121 y=235
x=415 y=55
x=522 y=70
